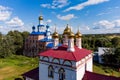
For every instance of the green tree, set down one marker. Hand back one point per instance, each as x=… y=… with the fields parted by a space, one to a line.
x=7 y=46
x=0 y=36
x=25 y=34
x=108 y=56
x=115 y=41
x=18 y=41
x=117 y=55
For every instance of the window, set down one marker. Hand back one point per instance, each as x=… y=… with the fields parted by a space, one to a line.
x=56 y=61
x=50 y=71
x=67 y=63
x=61 y=74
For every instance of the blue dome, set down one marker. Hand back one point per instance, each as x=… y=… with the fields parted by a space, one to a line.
x=33 y=27
x=47 y=26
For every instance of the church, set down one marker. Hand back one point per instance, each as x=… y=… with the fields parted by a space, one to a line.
x=68 y=61
x=38 y=40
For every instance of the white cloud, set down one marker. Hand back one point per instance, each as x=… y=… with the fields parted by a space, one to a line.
x=103 y=13
x=105 y=24
x=8 y=23
x=66 y=17
x=56 y=4
x=117 y=23
x=49 y=21
x=117 y=7
x=1 y=27
x=15 y=22
x=46 y=5
x=5 y=13
x=87 y=3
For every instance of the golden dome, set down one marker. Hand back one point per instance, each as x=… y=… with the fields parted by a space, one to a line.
x=40 y=17
x=71 y=35
x=55 y=35
x=67 y=30
x=78 y=34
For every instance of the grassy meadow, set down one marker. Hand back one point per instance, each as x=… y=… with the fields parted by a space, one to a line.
x=97 y=68
x=12 y=67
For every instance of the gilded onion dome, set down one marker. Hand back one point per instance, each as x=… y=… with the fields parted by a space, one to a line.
x=78 y=34
x=40 y=17
x=71 y=34
x=67 y=30
x=55 y=34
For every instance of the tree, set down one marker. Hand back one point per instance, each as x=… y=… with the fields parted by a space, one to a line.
x=18 y=41
x=115 y=41
x=117 y=55
x=0 y=36
x=25 y=35
x=7 y=46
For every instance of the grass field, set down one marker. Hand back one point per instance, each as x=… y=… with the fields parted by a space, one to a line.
x=14 y=66
x=97 y=68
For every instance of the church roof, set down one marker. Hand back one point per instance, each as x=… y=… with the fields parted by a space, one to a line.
x=46 y=40
x=62 y=53
x=37 y=33
x=50 y=45
x=96 y=76
x=33 y=74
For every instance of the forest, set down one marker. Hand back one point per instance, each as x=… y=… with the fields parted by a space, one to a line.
x=13 y=44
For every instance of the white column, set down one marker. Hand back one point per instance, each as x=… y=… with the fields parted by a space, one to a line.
x=65 y=40
x=55 y=43
x=78 y=43
x=71 y=45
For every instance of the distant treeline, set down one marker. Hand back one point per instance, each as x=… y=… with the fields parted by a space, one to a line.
x=13 y=43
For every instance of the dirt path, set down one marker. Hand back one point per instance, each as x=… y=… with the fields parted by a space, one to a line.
x=6 y=72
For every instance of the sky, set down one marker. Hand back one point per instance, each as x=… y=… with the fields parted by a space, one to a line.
x=89 y=16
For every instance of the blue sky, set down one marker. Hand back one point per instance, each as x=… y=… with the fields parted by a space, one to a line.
x=90 y=16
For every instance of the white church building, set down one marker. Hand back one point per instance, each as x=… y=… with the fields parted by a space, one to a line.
x=67 y=62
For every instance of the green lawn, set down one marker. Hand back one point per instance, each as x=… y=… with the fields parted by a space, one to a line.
x=97 y=68
x=14 y=66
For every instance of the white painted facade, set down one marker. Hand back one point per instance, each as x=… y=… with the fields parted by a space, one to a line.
x=75 y=71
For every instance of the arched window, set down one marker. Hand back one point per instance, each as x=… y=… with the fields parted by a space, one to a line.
x=67 y=63
x=45 y=58
x=61 y=74
x=57 y=61
x=50 y=71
